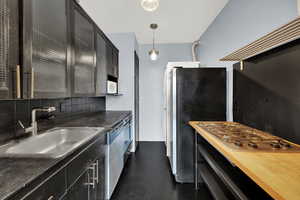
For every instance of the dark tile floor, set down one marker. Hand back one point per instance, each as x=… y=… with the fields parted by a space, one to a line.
x=147 y=177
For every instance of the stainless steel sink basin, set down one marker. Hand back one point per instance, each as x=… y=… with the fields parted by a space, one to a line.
x=54 y=143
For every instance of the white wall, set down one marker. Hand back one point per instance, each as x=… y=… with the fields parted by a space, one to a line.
x=127 y=44
x=151 y=87
x=238 y=24
x=298 y=1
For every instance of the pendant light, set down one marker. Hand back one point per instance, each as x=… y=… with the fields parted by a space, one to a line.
x=153 y=53
x=150 y=5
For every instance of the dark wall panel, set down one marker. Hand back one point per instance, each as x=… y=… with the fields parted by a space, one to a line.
x=267 y=92
x=201 y=96
x=13 y=110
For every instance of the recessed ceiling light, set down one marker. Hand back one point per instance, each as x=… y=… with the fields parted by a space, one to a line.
x=150 y=5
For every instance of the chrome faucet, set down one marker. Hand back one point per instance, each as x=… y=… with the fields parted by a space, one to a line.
x=34 y=128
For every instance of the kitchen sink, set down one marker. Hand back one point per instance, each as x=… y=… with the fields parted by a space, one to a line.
x=54 y=143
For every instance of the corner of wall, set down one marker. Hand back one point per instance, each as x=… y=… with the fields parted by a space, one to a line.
x=298 y=6
x=136 y=45
x=229 y=70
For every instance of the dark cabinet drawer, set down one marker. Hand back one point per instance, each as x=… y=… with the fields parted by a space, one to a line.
x=81 y=162
x=52 y=189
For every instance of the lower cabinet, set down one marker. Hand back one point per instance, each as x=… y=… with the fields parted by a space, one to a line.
x=118 y=144
x=85 y=174
x=81 y=178
x=52 y=189
x=101 y=183
x=88 y=185
x=80 y=190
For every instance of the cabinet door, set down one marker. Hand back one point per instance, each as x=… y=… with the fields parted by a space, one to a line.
x=88 y=185
x=115 y=63
x=100 y=189
x=93 y=178
x=9 y=47
x=80 y=190
x=109 y=57
x=46 y=48
x=53 y=189
x=101 y=62
x=84 y=61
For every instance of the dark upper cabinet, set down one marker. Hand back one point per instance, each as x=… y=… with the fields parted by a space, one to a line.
x=9 y=49
x=101 y=63
x=109 y=58
x=46 y=49
x=84 y=54
x=113 y=61
x=52 y=49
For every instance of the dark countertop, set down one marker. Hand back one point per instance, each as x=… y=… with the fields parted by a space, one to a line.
x=17 y=173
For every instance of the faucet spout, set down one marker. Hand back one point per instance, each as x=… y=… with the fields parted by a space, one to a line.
x=34 y=128
x=49 y=109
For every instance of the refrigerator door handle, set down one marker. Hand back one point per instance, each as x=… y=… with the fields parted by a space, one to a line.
x=174 y=121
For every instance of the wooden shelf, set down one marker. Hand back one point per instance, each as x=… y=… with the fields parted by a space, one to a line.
x=212 y=182
x=278 y=37
x=221 y=173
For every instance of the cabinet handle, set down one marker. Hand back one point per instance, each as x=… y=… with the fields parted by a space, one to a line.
x=18 y=81
x=91 y=183
x=51 y=198
x=32 y=83
x=95 y=175
x=97 y=171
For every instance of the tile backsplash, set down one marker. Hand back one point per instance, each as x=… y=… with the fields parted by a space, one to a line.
x=11 y=111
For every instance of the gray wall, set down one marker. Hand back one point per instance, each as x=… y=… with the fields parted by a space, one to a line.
x=127 y=44
x=151 y=87
x=239 y=23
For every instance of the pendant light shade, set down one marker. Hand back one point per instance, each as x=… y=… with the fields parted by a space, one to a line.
x=153 y=53
x=150 y=5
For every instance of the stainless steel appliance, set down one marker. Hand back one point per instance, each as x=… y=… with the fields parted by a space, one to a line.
x=112 y=87
x=191 y=94
x=119 y=142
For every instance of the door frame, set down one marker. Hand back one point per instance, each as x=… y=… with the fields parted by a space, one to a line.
x=136 y=100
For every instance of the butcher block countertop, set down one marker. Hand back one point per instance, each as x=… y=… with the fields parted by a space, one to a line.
x=278 y=173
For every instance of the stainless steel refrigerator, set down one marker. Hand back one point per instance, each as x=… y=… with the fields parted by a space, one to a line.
x=191 y=94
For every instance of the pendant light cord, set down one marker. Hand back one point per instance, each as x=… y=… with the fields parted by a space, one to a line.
x=153 y=38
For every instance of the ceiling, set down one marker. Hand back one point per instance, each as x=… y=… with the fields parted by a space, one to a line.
x=179 y=21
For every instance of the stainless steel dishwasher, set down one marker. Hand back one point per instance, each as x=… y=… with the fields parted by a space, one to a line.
x=118 y=146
